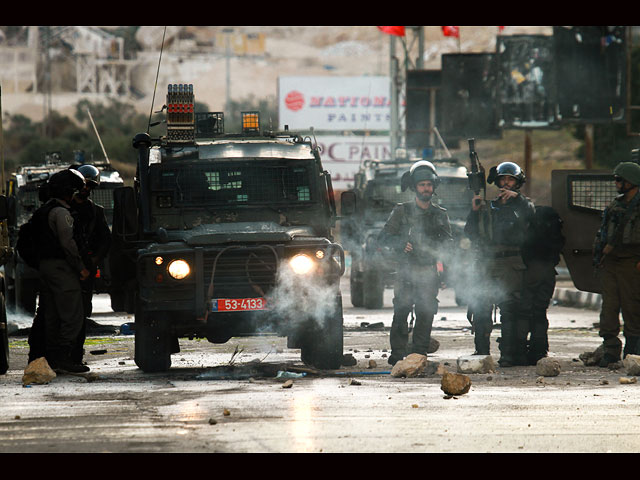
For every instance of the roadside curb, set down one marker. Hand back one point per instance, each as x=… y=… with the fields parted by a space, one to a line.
x=571 y=297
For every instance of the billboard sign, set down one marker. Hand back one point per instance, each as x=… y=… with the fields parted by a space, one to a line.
x=334 y=103
x=469 y=107
x=592 y=73
x=342 y=155
x=527 y=82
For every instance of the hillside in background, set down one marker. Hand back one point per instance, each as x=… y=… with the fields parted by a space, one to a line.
x=198 y=55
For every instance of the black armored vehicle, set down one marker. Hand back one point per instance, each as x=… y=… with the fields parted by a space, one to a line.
x=227 y=235
x=377 y=190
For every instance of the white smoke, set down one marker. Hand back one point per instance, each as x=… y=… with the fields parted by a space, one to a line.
x=302 y=297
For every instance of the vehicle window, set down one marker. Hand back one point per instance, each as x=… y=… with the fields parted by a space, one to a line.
x=239 y=184
x=593 y=192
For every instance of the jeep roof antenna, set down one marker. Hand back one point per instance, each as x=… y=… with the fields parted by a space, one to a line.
x=98 y=135
x=155 y=87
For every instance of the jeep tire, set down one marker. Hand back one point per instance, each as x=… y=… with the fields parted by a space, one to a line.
x=152 y=344
x=322 y=348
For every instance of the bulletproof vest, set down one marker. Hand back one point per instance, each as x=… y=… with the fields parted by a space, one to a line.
x=508 y=223
x=49 y=245
x=426 y=232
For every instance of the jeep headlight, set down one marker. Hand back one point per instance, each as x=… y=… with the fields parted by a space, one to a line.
x=178 y=269
x=301 y=264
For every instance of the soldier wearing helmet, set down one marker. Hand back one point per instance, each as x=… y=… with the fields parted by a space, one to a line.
x=94 y=235
x=419 y=233
x=498 y=230
x=617 y=260
x=61 y=271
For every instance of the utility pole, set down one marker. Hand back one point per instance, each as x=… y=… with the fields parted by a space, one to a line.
x=399 y=64
x=228 y=32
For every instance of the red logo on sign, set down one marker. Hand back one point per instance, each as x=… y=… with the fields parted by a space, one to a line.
x=294 y=100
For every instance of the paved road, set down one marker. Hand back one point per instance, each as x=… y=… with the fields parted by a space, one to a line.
x=215 y=401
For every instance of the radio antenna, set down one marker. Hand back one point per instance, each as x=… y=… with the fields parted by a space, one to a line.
x=155 y=87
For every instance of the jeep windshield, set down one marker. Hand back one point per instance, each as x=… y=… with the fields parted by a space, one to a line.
x=236 y=184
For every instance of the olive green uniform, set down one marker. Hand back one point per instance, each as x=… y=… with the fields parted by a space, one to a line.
x=61 y=293
x=498 y=232
x=417 y=279
x=620 y=278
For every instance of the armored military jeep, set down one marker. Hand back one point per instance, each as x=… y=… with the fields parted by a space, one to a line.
x=226 y=235
x=377 y=190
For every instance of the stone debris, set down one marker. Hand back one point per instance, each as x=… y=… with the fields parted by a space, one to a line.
x=348 y=360
x=632 y=364
x=353 y=381
x=372 y=364
x=548 y=367
x=38 y=372
x=628 y=380
x=591 y=359
x=414 y=365
x=287 y=384
x=455 y=383
x=476 y=364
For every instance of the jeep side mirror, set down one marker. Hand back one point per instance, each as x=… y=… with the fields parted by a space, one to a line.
x=347 y=203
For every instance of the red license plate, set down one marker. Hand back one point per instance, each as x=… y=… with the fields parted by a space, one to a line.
x=238 y=304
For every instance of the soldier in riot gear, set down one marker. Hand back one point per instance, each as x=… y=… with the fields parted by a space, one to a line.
x=419 y=233
x=94 y=236
x=498 y=230
x=61 y=271
x=617 y=258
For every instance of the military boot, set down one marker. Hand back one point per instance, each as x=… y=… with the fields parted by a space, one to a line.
x=612 y=347
x=65 y=363
x=631 y=346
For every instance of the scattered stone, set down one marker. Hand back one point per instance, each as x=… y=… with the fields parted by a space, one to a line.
x=476 y=364
x=540 y=380
x=414 y=365
x=591 y=359
x=455 y=383
x=354 y=382
x=604 y=382
x=628 y=380
x=441 y=369
x=348 y=360
x=287 y=384
x=548 y=367
x=38 y=372
x=632 y=364
x=226 y=412
x=212 y=421
x=372 y=364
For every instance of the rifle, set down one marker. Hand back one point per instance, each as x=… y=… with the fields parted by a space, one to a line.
x=476 y=178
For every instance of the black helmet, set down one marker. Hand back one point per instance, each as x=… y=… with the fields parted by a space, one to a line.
x=65 y=183
x=507 y=168
x=419 y=171
x=91 y=175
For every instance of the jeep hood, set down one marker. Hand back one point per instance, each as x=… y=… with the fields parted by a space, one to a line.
x=212 y=234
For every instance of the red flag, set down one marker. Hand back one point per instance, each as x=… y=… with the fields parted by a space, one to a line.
x=398 y=31
x=451 y=31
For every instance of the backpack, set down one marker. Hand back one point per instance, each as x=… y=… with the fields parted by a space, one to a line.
x=31 y=236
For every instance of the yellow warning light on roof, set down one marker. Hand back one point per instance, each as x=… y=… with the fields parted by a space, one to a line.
x=250 y=121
